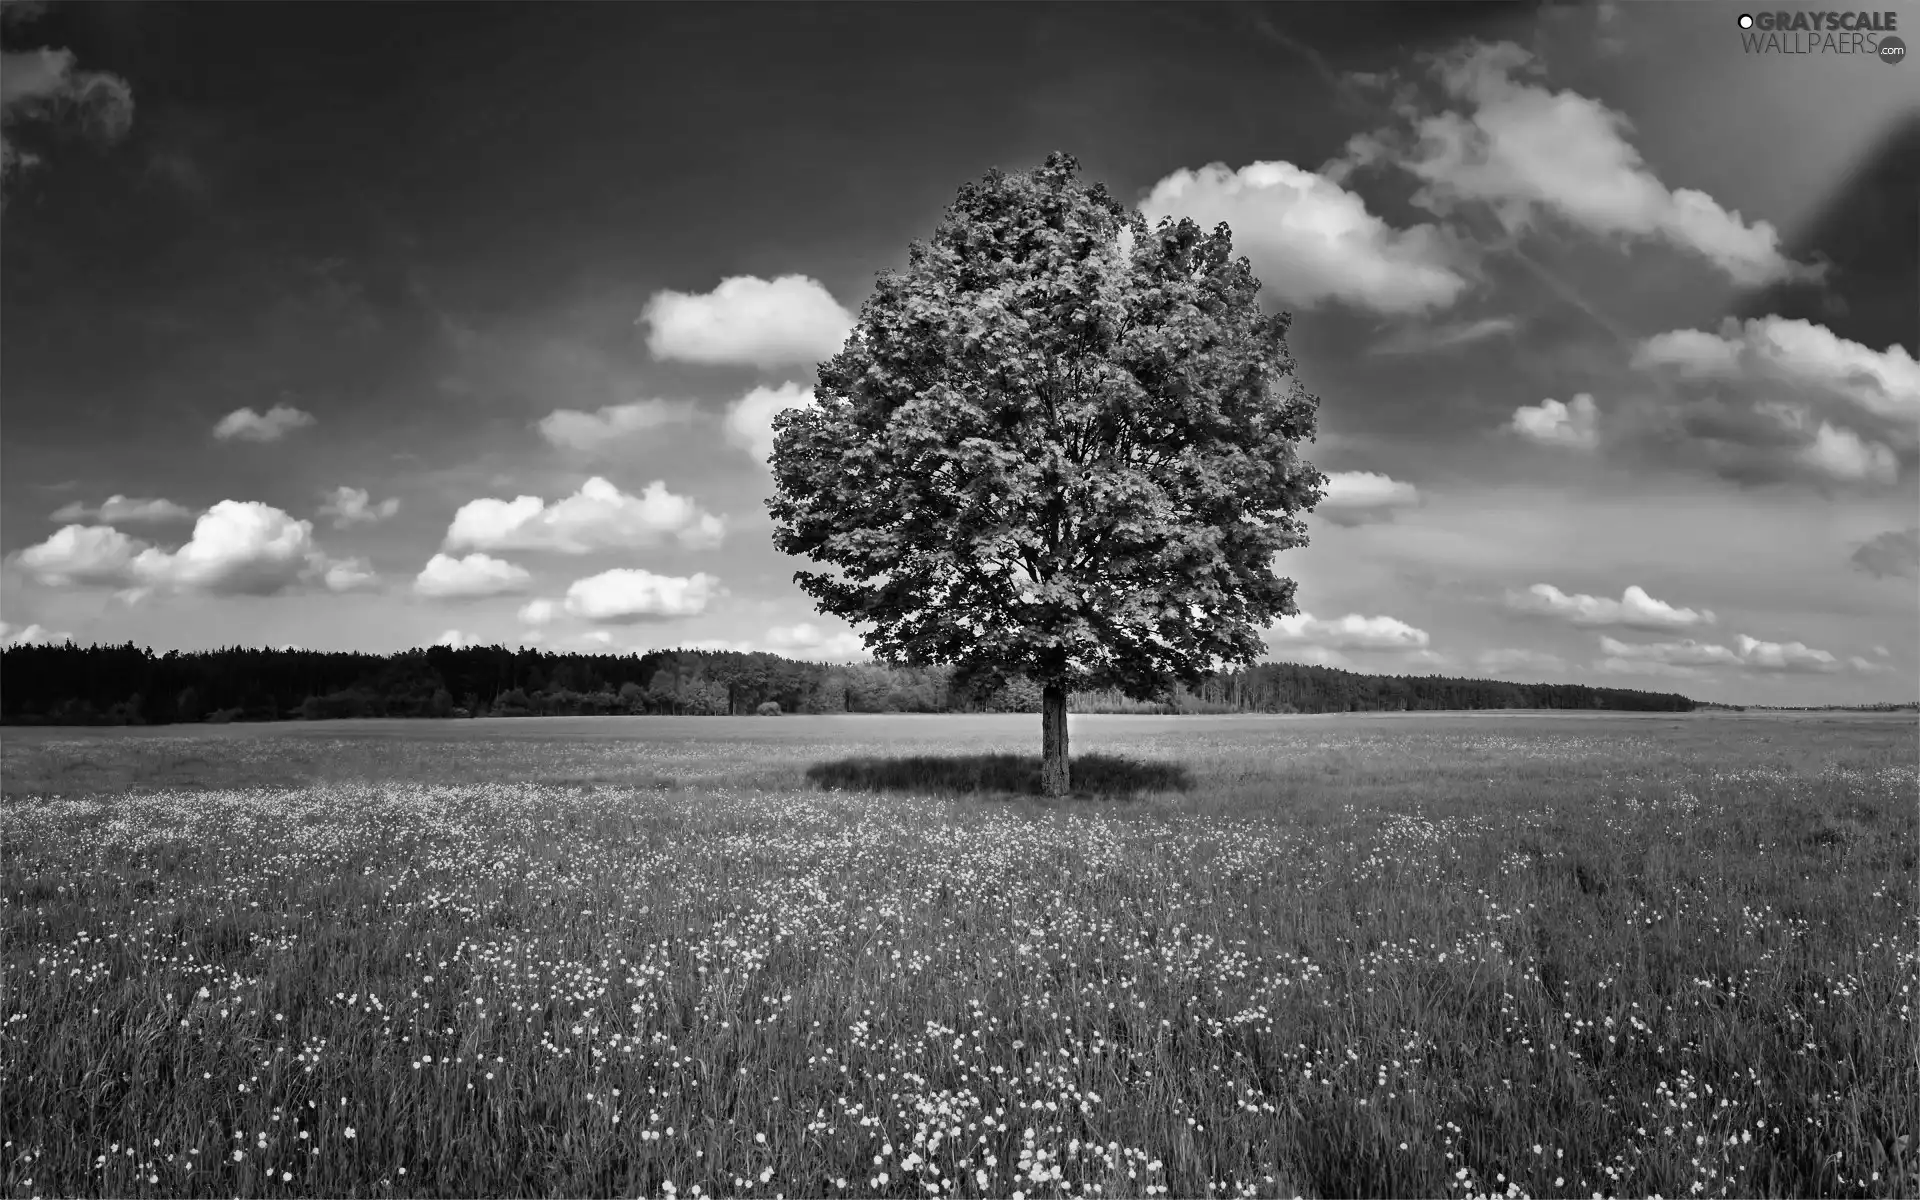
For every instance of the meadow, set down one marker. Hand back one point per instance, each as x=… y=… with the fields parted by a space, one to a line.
x=1512 y=954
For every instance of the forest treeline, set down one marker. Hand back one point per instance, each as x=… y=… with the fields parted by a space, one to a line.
x=95 y=685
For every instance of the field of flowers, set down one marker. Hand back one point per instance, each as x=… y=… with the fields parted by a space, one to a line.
x=1423 y=955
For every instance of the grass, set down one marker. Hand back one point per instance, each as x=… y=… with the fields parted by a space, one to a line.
x=1425 y=955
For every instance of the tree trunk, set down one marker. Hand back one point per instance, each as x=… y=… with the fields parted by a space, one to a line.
x=1055 y=779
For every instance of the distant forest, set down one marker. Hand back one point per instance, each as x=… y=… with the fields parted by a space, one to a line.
x=130 y=685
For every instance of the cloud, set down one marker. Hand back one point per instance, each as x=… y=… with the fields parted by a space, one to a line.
x=625 y=595
x=597 y=517
x=238 y=547
x=1313 y=242
x=1416 y=339
x=538 y=612
x=119 y=508
x=250 y=426
x=43 y=85
x=1574 y=426
x=749 y=421
x=1313 y=656
x=1643 y=666
x=348 y=575
x=572 y=429
x=81 y=554
x=804 y=641
x=476 y=575
x=1844 y=456
x=1747 y=654
x=1788 y=656
x=1526 y=150
x=1772 y=399
x=1506 y=661
x=1759 y=441
x=352 y=506
x=1686 y=653
x=1894 y=554
x=748 y=321
x=1633 y=610
x=809 y=642
x=457 y=639
x=1799 y=354
x=1351 y=632
x=1359 y=497
x=32 y=635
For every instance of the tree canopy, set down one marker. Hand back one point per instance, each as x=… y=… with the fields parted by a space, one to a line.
x=1061 y=444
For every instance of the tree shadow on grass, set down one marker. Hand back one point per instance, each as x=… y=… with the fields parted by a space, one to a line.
x=1095 y=776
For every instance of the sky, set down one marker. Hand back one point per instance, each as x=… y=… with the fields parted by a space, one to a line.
x=369 y=327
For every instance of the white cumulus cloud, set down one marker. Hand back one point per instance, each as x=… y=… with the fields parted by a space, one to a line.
x=1358 y=497
x=1635 y=609
x=1746 y=654
x=1311 y=241
x=573 y=429
x=597 y=517
x=1351 y=632
x=1574 y=426
x=625 y=595
x=238 y=547
x=749 y=421
x=1523 y=149
x=1795 y=657
x=33 y=635
x=1313 y=656
x=538 y=612
x=353 y=506
x=122 y=509
x=348 y=575
x=1771 y=399
x=1884 y=383
x=1684 y=653
x=1843 y=455
x=748 y=321
x=476 y=575
x=809 y=642
x=81 y=554
x=270 y=426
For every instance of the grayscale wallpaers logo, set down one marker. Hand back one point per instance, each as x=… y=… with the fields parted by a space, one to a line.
x=1801 y=32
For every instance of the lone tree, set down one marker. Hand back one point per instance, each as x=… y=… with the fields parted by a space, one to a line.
x=1060 y=445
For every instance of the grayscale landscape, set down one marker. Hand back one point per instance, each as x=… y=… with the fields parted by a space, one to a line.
x=1060 y=600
